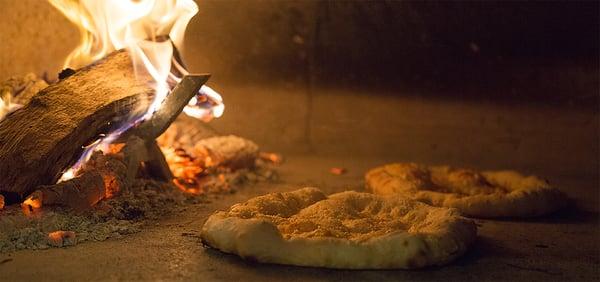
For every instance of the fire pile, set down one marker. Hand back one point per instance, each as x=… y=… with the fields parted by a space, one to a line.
x=211 y=156
x=96 y=134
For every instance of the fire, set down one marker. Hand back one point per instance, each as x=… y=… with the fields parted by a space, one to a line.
x=152 y=31
x=271 y=157
x=187 y=168
x=6 y=106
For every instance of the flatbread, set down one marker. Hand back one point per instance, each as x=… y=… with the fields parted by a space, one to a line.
x=349 y=230
x=477 y=194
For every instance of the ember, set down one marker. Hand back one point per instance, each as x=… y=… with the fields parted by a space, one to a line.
x=62 y=238
x=208 y=156
x=271 y=157
x=337 y=170
x=32 y=204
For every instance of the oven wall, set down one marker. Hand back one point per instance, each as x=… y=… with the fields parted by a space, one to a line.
x=493 y=84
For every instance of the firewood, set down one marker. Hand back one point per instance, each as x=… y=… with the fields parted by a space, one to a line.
x=102 y=176
x=113 y=170
x=171 y=107
x=157 y=165
x=79 y=193
x=228 y=151
x=41 y=140
x=134 y=153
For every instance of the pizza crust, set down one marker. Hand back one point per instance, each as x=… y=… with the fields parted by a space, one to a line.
x=478 y=194
x=345 y=230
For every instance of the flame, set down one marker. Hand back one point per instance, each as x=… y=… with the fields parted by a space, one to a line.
x=6 y=105
x=151 y=31
x=187 y=169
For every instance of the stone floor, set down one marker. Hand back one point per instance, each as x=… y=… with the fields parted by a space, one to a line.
x=562 y=246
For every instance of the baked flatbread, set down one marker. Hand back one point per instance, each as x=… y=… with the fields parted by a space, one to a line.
x=345 y=230
x=477 y=194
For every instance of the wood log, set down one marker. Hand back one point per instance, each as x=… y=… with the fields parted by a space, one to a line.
x=157 y=165
x=42 y=139
x=103 y=176
x=149 y=130
x=79 y=193
x=171 y=107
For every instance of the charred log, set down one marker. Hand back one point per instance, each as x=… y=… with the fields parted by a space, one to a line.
x=103 y=176
x=79 y=193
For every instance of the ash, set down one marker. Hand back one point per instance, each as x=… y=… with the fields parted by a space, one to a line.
x=141 y=205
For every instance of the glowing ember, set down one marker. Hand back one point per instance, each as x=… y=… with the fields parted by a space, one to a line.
x=61 y=238
x=149 y=30
x=271 y=157
x=187 y=169
x=32 y=204
x=337 y=170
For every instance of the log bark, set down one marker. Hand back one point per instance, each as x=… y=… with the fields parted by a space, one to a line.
x=40 y=140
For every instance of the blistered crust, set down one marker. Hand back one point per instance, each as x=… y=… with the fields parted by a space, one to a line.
x=345 y=230
x=476 y=194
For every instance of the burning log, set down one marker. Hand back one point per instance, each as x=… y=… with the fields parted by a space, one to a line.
x=171 y=107
x=79 y=193
x=157 y=165
x=113 y=170
x=40 y=140
x=102 y=176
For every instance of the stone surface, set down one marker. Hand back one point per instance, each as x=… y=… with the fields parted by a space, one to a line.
x=563 y=246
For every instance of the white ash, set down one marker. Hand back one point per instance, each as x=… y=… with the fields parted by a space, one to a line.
x=230 y=151
x=127 y=213
x=22 y=88
x=184 y=132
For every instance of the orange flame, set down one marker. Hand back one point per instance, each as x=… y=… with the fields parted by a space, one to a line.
x=6 y=106
x=32 y=204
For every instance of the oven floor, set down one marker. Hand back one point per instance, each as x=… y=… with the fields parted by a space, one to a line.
x=563 y=246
